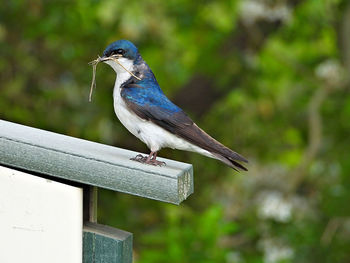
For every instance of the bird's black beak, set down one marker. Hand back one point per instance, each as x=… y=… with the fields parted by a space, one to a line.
x=105 y=58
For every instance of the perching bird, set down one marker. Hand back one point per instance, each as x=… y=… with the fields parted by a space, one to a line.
x=147 y=113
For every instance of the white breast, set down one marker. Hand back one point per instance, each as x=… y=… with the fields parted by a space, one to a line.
x=151 y=134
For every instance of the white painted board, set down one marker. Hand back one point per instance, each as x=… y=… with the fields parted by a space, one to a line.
x=40 y=219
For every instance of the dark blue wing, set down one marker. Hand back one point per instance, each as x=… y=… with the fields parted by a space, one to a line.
x=150 y=103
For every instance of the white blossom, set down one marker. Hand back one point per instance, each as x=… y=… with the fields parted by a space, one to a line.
x=254 y=10
x=272 y=205
x=275 y=251
x=330 y=71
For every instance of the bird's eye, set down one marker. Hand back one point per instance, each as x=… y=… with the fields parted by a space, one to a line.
x=118 y=51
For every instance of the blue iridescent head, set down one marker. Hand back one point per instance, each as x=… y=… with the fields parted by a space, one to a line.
x=123 y=48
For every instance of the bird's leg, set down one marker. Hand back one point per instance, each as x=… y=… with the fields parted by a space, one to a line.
x=153 y=161
x=150 y=156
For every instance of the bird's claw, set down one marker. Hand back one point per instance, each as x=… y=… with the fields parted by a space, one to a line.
x=144 y=159
x=139 y=158
x=156 y=163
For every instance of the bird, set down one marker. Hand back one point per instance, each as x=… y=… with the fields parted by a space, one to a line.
x=146 y=112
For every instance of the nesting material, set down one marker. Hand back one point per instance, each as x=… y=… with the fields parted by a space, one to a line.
x=94 y=66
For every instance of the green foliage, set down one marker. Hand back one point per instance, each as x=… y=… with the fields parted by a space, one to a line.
x=267 y=78
x=189 y=237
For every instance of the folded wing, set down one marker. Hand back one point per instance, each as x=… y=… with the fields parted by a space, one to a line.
x=154 y=106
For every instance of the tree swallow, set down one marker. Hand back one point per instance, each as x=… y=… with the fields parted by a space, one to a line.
x=148 y=114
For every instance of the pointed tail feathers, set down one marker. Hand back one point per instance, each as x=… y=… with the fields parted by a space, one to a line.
x=200 y=138
x=230 y=162
x=227 y=156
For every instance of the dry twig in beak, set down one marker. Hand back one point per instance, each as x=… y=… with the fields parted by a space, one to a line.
x=94 y=66
x=93 y=82
x=132 y=74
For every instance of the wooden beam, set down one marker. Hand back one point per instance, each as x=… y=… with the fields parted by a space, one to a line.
x=92 y=163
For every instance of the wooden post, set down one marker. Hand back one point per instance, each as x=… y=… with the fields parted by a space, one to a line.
x=105 y=244
x=90 y=204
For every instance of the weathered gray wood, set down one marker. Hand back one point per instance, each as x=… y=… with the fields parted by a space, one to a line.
x=92 y=163
x=104 y=244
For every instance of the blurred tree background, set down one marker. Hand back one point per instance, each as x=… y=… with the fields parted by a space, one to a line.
x=268 y=78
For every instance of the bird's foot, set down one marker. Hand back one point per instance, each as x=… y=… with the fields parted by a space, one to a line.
x=151 y=159
x=154 y=162
x=139 y=158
